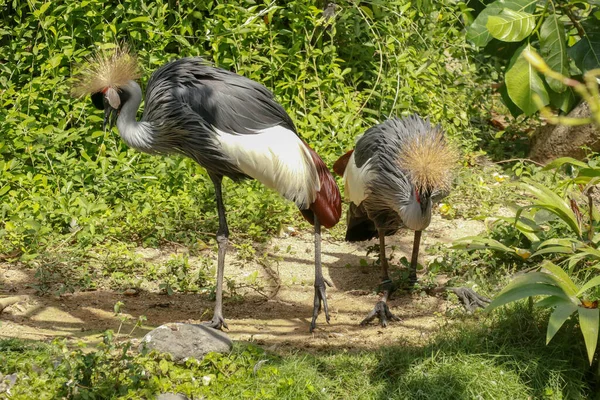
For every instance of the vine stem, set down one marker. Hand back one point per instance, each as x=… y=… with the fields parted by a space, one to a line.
x=574 y=20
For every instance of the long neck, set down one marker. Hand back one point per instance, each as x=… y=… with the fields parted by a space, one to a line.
x=138 y=135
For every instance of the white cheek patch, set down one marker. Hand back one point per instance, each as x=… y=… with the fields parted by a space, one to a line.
x=113 y=98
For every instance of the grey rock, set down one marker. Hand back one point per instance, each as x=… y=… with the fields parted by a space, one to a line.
x=554 y=141
x=171 y=396
x=186 y=340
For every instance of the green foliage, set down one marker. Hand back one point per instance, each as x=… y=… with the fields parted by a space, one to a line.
x=66 y=185
x=501 y=355
x=557 y=286
x=562 y=294
x=561 y=31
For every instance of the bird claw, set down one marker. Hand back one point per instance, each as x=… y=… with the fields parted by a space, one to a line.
x=320 y=297
x=218 y=322
x=383 y=313
x=470 y=299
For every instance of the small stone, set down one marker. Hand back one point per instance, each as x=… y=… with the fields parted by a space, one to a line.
x=130 y=292
x=182 y=341
x=172 y=396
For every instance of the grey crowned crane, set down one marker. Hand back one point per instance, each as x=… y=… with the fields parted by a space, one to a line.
x=396 y=172
x=230 y=125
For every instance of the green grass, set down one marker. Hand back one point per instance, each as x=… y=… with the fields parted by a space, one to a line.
x=502 y=356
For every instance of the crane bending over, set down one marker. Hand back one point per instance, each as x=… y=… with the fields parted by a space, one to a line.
x=394 y=175
x=230 y=125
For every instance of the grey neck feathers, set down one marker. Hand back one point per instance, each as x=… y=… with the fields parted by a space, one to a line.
x=138 y=135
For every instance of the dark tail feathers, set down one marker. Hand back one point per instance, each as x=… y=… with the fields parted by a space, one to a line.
x=360 y=227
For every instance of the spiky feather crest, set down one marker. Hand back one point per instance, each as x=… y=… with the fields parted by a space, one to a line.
x=429 y=160
x=107 y=68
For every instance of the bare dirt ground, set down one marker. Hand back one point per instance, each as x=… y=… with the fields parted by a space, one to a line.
x=278 y=316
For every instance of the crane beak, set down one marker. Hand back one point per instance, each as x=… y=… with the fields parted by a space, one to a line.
x=110 y=117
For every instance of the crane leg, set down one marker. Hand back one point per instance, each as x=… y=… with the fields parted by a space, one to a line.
x=412 y=274
x=382 y=258
x=381 y=310
x=218 y=321
x=320 y=296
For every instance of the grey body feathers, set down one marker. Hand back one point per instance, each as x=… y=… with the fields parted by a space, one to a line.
x=186 y=98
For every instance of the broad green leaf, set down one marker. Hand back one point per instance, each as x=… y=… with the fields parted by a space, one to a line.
x=552 y=202
x=588 y=322
x=530 y=278
x=564 y=242
x=564 y=101
x=559 y=162
x=589 y=172
x=528 y=290
x=563 y=215
x=515 y=111
x=553 y=249
x=4 y=189
x=563 y=279
x=589 y=251
x=526 y=226
x=478 y=243
x=558 y=317
x=510 y=26
x=523 y=82
x=519 y=5
x=552 y=301
x=553 y=49
x=477 y=32
x=589 y=284
x=367 y=11
x=586 y=52
x=139 y=19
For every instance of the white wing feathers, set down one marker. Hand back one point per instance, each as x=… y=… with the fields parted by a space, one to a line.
x=356 y=180
x=278 y=159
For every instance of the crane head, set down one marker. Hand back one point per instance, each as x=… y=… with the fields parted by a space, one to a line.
x=103 y=76
x=415 y=209
x=428 y=162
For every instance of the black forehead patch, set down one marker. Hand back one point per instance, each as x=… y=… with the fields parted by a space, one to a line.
x=124 y=96
x=98 y=100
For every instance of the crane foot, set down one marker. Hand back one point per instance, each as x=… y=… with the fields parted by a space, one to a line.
x=218 y=322
x=381 y=311
x=320 y=298
x=470 y=299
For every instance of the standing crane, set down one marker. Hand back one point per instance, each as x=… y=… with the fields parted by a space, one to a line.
x=230 y=125
x=394 y=175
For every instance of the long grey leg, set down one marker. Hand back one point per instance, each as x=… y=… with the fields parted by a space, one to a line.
x=382 y=258
x=320 y=296
x=381 y=310
x=218 y=321
x=412 y=274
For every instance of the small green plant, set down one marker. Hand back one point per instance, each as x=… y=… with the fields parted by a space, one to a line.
x=561 y=294
x=179 y=276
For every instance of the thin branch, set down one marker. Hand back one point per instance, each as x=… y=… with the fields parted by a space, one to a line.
x=574 y=20
x=520 y=159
